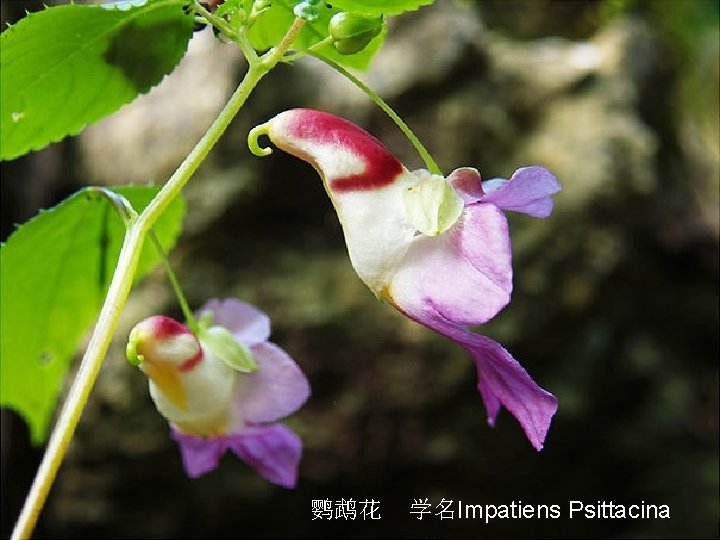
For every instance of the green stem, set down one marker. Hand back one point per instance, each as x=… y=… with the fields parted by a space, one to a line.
x=238 y=37
x=424 y=154
x=311 y=49
x=78 y=394
x=184 y=306
x=129 y=215
x=121 y=283
x=218 y=22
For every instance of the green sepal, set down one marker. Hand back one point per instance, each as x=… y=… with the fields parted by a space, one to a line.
x=432 y=205
x=221 y=343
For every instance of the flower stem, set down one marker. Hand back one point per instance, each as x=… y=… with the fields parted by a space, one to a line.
x=380 y=102
x=78 y=394
x=218 y=22
x=122 y=281
x=184 y=306
x=129 y=215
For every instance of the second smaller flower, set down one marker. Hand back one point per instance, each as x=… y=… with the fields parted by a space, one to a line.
x=224 y=388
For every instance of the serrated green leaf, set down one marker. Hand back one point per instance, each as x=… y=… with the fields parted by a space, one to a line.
x=54 y=272
x=271 y=25
x=375 y=8
x=69 y=66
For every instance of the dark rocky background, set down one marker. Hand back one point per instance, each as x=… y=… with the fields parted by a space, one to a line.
x=615 y=308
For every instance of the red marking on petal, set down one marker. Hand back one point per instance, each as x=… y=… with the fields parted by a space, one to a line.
x=190 y=364
x=165 y=327
x=381 y=167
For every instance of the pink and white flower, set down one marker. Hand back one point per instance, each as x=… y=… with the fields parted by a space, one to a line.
x=224 y=389
x=437 y=249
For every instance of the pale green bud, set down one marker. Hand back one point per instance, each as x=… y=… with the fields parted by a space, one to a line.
x=351 y=32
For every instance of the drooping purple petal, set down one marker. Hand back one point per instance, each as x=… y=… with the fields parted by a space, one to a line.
x=501 y=379
x=528 y=191
x=278 y=387
x=248 y=324
x=199 y=455
x=492 y=404
x=466 y=273
x=273 y=451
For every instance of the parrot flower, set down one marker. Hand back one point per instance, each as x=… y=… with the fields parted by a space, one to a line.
x=437 y=249
x=224 y=388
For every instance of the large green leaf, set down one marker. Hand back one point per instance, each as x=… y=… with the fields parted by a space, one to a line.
x=375 y=8
x=272 y=24
x=68 y=66
x=54 y=272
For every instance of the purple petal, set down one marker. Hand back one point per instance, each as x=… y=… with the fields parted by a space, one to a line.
x=492 y=404
x=528 y=191
x=278 y=387
x=465 y=273
x=248 y=324
x=273 y=451
x=482 y=238
x=199 y=455
x=466 y=181
x=501 y=379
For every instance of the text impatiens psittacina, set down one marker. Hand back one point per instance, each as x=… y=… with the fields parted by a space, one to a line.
x=437 y=249
x=223 y=389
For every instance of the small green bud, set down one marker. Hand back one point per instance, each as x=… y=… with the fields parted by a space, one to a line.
x=351 y=32
x=220 y=342
x=432 y=205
